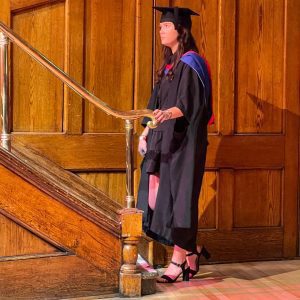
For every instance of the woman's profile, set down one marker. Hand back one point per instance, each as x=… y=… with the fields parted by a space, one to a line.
x=175 y=151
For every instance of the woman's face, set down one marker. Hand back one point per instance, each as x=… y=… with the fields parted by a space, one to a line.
x=168 y=34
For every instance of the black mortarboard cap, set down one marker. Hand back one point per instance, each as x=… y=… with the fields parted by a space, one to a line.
x=176 y=15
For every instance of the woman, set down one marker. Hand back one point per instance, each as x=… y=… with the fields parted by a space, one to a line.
x=175 y=151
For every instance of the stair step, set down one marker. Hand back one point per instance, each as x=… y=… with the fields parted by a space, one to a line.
x=149 y=276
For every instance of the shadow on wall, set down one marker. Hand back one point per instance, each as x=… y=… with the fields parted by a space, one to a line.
x=268 y=212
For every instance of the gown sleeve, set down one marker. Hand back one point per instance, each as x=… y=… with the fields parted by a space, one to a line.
x=190 y=95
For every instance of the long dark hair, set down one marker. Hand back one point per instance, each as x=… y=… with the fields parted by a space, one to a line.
x=186 y=43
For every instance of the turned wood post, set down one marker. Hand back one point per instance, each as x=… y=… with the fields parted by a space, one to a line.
x=130 y=275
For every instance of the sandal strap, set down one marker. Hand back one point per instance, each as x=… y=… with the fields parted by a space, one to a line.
x=169 y=279
x=192 y=253
x=178 y=265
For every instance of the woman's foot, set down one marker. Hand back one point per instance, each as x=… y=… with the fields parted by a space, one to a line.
x=193 y=259
x=184 y=270
x=175 y=268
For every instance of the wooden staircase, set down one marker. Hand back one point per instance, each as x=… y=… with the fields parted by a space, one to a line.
x=82 y=238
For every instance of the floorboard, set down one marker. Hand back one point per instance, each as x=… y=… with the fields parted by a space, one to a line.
x=237 y=281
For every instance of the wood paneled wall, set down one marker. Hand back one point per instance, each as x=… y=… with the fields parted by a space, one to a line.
x=37 y=96
x=112 y=47
x=16 y=240
x=109 y=60
x=260 y=44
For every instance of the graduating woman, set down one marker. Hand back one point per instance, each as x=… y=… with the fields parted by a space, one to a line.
x=175 y=151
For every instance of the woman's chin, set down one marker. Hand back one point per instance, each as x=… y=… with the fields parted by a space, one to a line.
x=165 y=44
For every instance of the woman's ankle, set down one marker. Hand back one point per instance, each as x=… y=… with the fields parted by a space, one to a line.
x=198 y=249
x=178 y=255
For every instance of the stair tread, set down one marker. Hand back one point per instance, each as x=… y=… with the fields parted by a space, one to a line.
x=147 y=270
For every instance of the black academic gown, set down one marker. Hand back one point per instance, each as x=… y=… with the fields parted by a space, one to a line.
x=176 y=149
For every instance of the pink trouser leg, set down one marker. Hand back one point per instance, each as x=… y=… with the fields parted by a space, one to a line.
x=153 y=188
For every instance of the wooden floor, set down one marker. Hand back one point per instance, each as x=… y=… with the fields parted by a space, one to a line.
x=238 y=281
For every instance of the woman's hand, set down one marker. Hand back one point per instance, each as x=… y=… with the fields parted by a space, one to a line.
x=142 y=148
x=162 y=115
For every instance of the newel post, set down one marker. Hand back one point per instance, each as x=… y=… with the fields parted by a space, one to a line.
x=130 y=275
x=5 y=131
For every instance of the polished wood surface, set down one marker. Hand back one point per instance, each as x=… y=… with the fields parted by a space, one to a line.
x=65 y=186
x=107 y=183
x=70 y=151
x=74 y=35
x=260 y=73
x=243 y=281
x=67 y=277
x=109 y=57
x=208 y=201
x=5 y=12
x=37 y=95
x=292 y=130
x=58 y=223
x=80 y=152
x=130 y=277
x=264 y=207
x=67 y=227
x=17 y=240
x=28 y=4
x=226 y=68
x=268 y=280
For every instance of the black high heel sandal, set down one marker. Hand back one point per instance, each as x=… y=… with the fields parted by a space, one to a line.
x=185 y=273
x=203 y=252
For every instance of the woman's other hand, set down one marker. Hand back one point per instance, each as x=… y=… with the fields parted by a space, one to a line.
x=142 y=148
